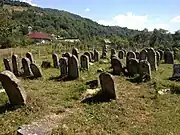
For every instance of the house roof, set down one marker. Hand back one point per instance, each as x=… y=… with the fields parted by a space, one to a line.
x=39 y=35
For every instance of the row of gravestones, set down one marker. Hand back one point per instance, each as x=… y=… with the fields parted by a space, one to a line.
x=30 y=69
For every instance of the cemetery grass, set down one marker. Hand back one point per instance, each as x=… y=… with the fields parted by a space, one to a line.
x=138 y=109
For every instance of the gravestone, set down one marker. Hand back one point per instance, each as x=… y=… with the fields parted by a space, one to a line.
x=144 y=68
x=158 y=58
x=92 y=55
x=107 y=85
x=73 y=70
x=12 y=86
x=63 y=66
x=68 y=55
x=168 y=57
x=96 y=56
x=15 y=65
x=26 y=67
x=116 y=66
x=36 y=70
x=89 y=56
x=7 y=64
x=75 y=52
x=161 y=54
x=104 y=52
x=176 y=71
x=143 y=55
x=124 y=51
x=132 y=67
x=130 y=55
x=84 y=62
x=152 y=59
x=55 y=60
x=121 y=54
x=113 y=53
x=30 y=57
x=46 y=64
x=137 y=55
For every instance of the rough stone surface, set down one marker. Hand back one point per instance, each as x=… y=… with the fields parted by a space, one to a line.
x=133 y=67
x=37 y=72
x=73 y=68
x=55 y=60
x=84 y=60
x=30 y=57
x=107 y=85
x=152 y=59
x=7 y=64
x=26 y=67
x=15 y=65
x=117 y=66
x=12 y=86
x=63 y=66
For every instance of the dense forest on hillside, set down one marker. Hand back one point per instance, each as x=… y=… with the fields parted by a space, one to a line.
x=14 y=24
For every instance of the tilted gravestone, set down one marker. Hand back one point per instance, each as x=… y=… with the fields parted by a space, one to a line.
x=133 y=67
x=107 y=85
x=30 y=57
x=75 y=52
x=26 y=67
x=89 y=56
x=143 y=55
x=130 y=55
x=168 y=57
x=63 y=66
x=7 y=64
x=144 y=68
x=113 y=53
x=55 y=60
x=36 y=70
x=152 y=59
x=116 y=66
x=96 y=56
x=137 y=55
x=15 y=65
x=158 y=58
x=73 y=68
x=12 y=86
x=161 y=53
x=121 y=54
x=84 y=60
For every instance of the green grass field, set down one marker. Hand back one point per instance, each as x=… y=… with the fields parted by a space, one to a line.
x=138 y=109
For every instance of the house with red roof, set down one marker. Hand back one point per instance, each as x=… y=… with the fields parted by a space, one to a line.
x=40 y=37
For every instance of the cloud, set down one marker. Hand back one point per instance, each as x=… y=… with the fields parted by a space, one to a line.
x=30 y=2
x=176 y=19
x=138 y=22
x=87 y=10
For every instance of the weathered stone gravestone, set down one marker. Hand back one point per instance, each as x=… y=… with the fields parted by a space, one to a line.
x=124 y=51
x=36 y=70
x=133 y=67
x=113 y=53
x=12 y=86
x=30 y=57
x=73 y=68
x=158 y=58
x=89 y=56
x=63 y=66
x=96 y=56
x=107 y=85
x=176 y=71
x=130 y=55
x=116 y=66
x=92 y=55
x=152 y=59
x=121 y=54
x=143 y=55
x=55 y=60
x=144 y=68
x=67 y=55
x=7 y=64
x=161 y=54
x=104 y=52
x=137 y=55
x=75 y=52
x=15 y=65
x=46 y=64
x=168 y=57
x=26 y=67
x=84 y=60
